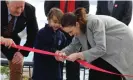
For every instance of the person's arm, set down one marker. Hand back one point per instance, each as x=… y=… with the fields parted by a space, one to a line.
x=74 y=46
x=64 y=41
x=38 y=41
x=98 y=31
x=32 y=29
x=127 y=13
x=43 y=39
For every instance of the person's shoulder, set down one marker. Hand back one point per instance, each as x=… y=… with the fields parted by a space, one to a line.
x=3 y=2
x=45 y=30
x=3 y=6
x=29 y=6
x=61 y=34
x=94 y=19
x=91 y=17
x=29 y=10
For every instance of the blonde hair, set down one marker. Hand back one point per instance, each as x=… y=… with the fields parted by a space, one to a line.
x=55 y=12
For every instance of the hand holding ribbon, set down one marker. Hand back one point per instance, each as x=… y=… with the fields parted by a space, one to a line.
x=81 y=62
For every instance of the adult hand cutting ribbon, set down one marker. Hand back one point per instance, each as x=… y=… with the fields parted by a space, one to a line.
x=81 y=62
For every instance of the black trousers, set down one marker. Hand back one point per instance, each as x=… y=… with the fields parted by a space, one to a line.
x=96 y=75
x=45 y=67
x=72 y=70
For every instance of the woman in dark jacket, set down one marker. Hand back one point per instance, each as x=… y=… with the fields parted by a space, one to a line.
x=49 y=38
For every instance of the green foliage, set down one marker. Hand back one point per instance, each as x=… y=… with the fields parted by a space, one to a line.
x=4 y=70
x=25 y=78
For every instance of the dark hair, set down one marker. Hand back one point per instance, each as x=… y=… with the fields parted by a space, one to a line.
x=55 y=12
x=70 y=19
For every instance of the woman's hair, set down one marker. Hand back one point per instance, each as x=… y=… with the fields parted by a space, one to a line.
x=55 y=12
x=70 y=19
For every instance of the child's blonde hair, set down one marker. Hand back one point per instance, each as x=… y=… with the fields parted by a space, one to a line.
x=55 y=12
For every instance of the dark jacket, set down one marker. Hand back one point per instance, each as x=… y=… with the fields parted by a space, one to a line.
x=45 y=66
x=26 y=20
x=122 y=10
x=50 y=4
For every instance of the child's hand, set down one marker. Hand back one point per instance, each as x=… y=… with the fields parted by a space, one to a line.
x=60 y=57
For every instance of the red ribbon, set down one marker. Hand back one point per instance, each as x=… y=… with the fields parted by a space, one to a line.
x=83 y=63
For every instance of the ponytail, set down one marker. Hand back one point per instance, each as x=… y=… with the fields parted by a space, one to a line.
x=81 y=18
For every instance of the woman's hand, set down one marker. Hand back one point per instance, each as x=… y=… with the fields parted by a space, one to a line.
x=61 y=56
x=74 y=56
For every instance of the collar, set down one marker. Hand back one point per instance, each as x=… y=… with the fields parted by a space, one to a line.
x=9 y=12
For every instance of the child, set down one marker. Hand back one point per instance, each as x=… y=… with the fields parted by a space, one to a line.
x=49 y=38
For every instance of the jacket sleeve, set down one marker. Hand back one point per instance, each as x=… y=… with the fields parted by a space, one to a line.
x=39 y=39
x=42 y=40
x=128 y=12
x=98 y=30
x=64 y=41
x=32 y=29
x=74 y=46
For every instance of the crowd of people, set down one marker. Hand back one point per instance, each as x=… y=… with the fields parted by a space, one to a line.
x=102 y=39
